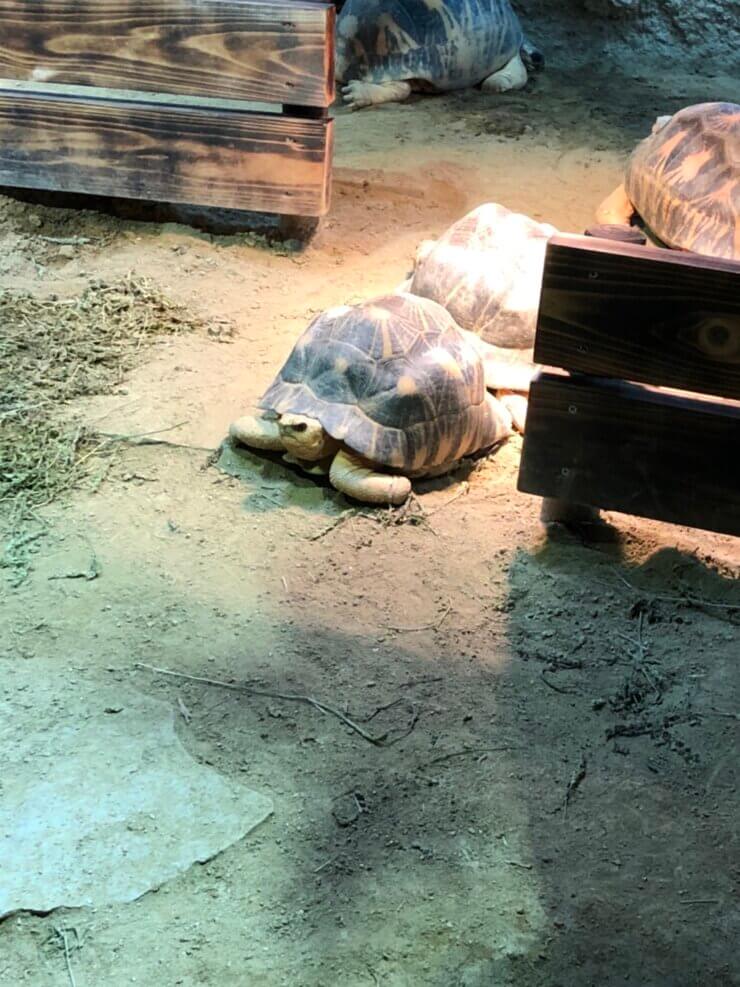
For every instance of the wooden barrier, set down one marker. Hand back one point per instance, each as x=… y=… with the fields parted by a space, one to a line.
x=627 y=323
x=206 y=102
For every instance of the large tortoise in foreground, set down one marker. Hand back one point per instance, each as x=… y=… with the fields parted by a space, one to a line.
x=377 y=394
x=684 y=182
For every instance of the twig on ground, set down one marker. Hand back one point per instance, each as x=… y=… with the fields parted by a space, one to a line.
x=556 y=688
x=184 y=711
x=92 y=572
x=426 y=681
x=62 y=935
x=144 y=439
x=479 y=751
x=516 y=863
x=382 y=709
x=336 y=523
x=576 y=778
x=694 y=601
x=435 y=625
x=67 y=241
x=701 y=901
x=381 y=741
x=462 y=492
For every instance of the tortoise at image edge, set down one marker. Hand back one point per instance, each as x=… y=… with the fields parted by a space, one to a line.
x=376 y=394
x=387 y=48
x=683 y=181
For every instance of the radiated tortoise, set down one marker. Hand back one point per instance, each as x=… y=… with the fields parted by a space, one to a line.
x=684 y=182
x=377 y=394
x=387 y=48
x=486 y=271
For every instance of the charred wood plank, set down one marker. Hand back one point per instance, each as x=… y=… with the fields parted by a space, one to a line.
x=234 y=160
x=654 y=316
x=633 y=449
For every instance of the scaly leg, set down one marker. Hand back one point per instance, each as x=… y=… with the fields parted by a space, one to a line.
x=352 y=475
x=257 y=432
x=512 y=76
x=358 y=94
x=504 y=368
x=616 y=209
x=312 y=468
x=516 y=405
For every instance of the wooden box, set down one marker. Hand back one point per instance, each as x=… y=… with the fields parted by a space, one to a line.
x=639 y=409
x=207 y=102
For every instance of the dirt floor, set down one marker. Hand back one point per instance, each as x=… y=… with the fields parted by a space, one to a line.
x=556 y=802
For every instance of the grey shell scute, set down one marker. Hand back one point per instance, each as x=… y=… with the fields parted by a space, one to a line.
x=394 y=379
x=684 y=180
x=447 y=43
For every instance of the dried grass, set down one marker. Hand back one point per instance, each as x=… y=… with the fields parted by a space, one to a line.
x=51 y=352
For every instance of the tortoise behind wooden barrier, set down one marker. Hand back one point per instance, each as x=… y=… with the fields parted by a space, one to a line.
x=684 y=181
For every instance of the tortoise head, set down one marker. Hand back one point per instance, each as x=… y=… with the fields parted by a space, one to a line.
x=305 y=438
x=660 y=122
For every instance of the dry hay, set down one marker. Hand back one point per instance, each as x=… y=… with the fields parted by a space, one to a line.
x=51 y=352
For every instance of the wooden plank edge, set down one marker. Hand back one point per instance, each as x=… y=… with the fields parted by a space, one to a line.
x=43 y=90
x=681 y=258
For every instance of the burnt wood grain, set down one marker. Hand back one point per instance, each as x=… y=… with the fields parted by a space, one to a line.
x=654 y=316
x=279 y=51
x=260 y=162
x=633 y=449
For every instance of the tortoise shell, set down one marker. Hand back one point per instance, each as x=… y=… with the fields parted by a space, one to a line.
x=486 y=271
x=684 y=180
x=394 y=379
x=449 y=44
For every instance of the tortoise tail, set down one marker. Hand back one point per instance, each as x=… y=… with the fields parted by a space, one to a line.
x=534 y=60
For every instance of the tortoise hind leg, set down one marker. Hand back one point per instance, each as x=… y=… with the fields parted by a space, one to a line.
x=616 y=209
x=516 y=405
x=351 y=475
x=512 y=76
x=257 y=432
x=358 y=94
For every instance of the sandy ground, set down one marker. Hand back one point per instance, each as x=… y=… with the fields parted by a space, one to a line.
x=524 y=668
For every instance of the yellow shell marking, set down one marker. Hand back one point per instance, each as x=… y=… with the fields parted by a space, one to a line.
x=692 y=164
x=447 y=362
x=406 y=385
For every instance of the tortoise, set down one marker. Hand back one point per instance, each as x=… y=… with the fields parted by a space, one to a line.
x=684 y=182
x=377 y=394
x=387 y=48
x=486 y=271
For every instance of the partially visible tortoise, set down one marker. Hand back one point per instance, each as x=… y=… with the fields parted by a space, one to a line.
x=684 y=181
x=486 y=271
x=377 y=394
x=387 y=48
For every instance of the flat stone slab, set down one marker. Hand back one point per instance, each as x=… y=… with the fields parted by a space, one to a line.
x=99 y=800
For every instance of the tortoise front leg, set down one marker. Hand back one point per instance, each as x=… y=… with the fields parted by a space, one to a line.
x=357 y=94
x=351 y=475
x=257 y=432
